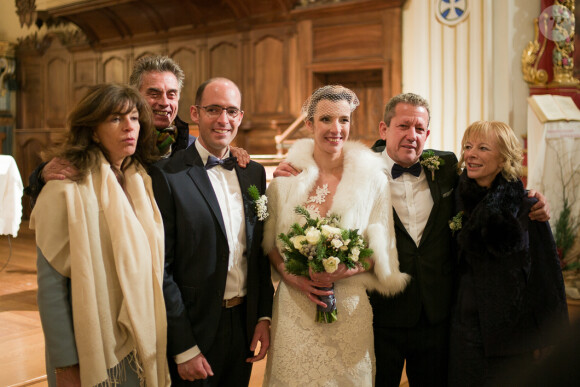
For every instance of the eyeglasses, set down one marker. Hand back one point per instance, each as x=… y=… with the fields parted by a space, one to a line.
x=216 y=110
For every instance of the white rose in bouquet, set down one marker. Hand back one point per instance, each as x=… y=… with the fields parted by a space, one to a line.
x=354 y=253
x=312 y=235
x=297 y=241
x=329 y=231
x=336 y=243
x=330 y=264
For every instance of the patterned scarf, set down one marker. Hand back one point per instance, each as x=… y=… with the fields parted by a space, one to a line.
x=166 y=137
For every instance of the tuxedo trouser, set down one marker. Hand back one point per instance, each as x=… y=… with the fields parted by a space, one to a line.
x=227 y=355
x=425 y=346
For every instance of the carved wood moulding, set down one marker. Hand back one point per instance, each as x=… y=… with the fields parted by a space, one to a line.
x=119 y=23
x=26 y=11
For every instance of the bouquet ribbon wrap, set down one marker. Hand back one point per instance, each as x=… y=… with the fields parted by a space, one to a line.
x=328 y=314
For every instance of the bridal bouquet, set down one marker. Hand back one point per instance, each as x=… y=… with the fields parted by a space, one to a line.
x=320 y=244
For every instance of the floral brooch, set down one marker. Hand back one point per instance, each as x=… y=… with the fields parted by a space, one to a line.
x=261 y=202
x=455 y=222
x=432 y=162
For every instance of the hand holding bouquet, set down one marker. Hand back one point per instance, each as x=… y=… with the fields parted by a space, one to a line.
x=321 y=245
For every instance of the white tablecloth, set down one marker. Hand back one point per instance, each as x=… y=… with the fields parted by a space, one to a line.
x=10 y=196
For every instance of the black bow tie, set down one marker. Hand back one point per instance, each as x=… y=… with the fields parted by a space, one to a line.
x=228 y=163
x=398 y=170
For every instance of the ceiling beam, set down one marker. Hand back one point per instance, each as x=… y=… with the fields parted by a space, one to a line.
x=239 y=8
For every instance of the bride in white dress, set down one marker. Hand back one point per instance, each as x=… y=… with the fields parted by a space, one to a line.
x=348 y=179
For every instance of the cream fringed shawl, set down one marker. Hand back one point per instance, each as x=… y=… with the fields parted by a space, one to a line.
x=112 y=249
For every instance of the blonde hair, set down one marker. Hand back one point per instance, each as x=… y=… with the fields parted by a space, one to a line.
x=508 y=145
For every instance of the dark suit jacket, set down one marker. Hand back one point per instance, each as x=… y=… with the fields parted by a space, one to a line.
x=430 y=264
x=196 y=251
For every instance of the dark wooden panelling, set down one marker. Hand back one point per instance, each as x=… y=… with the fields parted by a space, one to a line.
x=85 y=71
x=269 y=74
x=187 y=59
x=347 y=41
x=30 y=95
x=114 y=70
x=57 y=92
x=225 y=61
x=276 y=61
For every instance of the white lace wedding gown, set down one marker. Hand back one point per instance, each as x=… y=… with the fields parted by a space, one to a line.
x=306 y=353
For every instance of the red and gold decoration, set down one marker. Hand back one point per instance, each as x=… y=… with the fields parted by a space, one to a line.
x=548 y=63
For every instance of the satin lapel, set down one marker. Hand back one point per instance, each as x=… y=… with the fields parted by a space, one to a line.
x=436 y=195
x=249 y=213
x=199 y=176
x=399 y=224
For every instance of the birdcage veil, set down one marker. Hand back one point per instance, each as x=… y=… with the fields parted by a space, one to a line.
x=332 y=93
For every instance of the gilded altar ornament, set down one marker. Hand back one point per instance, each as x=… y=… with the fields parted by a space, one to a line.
x=531 y=57
x=563 y=35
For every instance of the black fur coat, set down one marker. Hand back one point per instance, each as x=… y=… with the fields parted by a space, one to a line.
x=516 y=276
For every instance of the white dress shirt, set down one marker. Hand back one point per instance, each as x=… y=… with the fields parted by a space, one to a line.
x=229 y=195
x=411 y=199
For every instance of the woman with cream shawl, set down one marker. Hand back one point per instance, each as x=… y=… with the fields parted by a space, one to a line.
x=100 y=249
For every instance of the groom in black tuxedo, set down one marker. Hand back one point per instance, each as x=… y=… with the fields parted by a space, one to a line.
x=413 y=325
x=217 y=286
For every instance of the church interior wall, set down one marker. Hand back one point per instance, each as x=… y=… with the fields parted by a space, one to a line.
x=468 y=72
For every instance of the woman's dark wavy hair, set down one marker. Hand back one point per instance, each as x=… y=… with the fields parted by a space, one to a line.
x=94 y=108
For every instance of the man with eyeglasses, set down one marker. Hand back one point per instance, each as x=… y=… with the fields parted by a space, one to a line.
x=217 y=286
x=160 y=80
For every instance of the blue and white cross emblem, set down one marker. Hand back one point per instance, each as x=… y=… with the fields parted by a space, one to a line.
x=451 y=12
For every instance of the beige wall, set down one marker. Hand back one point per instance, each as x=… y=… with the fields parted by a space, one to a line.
x=10 y=29
x=514 y=20
x=470 y=71
x=9 y=24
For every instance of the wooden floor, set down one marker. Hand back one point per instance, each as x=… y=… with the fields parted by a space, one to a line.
x=21 y=339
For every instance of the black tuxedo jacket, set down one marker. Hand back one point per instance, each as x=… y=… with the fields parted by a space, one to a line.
x=430 y=264
x=197 y=251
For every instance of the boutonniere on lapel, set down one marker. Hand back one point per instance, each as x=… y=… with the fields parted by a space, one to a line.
x=260 y=202
x=455 y=222
x=432 y=162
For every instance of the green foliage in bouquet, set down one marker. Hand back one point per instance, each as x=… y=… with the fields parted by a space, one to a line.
x=319 y=240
